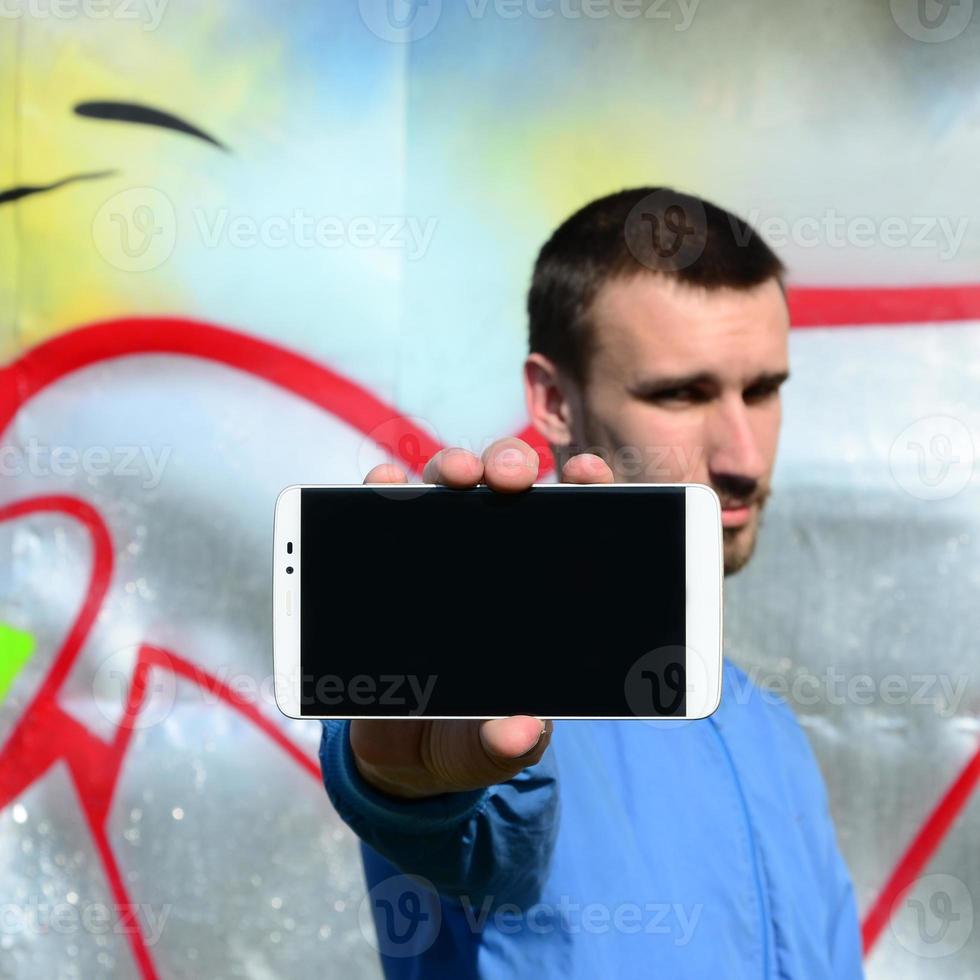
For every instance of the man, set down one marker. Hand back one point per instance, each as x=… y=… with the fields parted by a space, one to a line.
x=658 y=341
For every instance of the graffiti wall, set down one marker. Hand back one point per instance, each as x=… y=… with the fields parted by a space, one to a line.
x=246 y=244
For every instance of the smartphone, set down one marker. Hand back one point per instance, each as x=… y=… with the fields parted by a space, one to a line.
x=561 y=601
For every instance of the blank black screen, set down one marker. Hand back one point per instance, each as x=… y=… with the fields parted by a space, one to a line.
x=558 y=601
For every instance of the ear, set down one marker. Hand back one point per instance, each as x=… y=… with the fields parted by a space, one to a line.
x=551 y=400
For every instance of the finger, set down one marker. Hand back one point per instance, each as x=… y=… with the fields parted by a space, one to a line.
x=510 y=465
x=521 y=738
x=385 y=743
x=414 y=759
x=386 y=473
x=587 y=468
x=453 y=467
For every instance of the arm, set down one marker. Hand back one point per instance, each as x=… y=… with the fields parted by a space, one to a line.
x=840 y=930
x=470 y=805
x=491 y=843
x=844 y=932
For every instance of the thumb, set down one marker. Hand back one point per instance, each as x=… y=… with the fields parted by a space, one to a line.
x=521 y=738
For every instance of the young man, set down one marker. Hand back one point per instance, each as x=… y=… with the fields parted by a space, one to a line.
x=658 y=343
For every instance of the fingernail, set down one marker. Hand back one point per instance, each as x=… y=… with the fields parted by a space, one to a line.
x=541 y=734
x=511 y=458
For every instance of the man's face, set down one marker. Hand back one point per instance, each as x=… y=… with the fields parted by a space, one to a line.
x=684 y=388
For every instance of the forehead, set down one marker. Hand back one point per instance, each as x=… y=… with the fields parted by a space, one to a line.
x=649 y=325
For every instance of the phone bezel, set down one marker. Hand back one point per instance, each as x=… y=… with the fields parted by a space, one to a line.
x=704 y=592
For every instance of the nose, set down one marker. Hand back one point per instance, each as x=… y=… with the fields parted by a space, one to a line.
x=735 y=459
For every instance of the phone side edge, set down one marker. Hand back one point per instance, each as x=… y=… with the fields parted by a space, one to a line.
x=705 y=597
x=286 y=602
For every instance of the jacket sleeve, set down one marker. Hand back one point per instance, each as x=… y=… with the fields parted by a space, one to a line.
x=490 y=845
x=845 y=933
x=841 y=923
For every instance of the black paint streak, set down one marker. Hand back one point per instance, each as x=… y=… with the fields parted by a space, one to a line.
x=131 y=112
x=12 y=194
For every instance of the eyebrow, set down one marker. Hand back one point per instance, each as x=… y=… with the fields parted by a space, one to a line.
x=132 y=112
x=652 y=387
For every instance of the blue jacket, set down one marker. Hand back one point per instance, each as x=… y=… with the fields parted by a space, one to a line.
x=666 y=849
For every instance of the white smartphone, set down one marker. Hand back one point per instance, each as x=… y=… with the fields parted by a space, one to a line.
x=561 y=601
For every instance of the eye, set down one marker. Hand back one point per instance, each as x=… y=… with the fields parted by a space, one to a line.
x=685 y=394
x=762 y=392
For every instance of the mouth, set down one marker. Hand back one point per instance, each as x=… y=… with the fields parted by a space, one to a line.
x=736 y=515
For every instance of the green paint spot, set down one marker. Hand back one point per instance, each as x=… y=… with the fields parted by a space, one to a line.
x=16 y=648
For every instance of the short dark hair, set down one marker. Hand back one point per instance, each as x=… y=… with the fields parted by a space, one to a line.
x=653 y=230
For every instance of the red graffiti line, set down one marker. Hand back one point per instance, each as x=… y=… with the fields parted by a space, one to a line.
x=47 y=734
x=54 y=359
x=820 y=306
x=924 y=844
